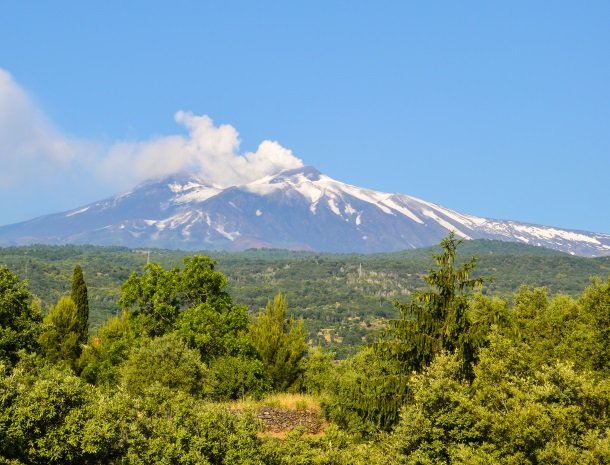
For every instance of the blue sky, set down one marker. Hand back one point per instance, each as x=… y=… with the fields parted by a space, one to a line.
x=498 y=110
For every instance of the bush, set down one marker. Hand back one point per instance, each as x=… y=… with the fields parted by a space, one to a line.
x=168 y=362
x=362 y=399
x=317 y=372
x=237 y=377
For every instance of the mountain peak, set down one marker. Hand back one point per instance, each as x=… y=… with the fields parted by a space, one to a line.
x=298 y=208
x=180 y=177
x=308 y=172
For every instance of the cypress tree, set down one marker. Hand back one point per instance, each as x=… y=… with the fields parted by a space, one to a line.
x=79 y=297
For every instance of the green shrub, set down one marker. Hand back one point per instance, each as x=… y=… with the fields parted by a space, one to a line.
x=237 y=378
x=166 y=361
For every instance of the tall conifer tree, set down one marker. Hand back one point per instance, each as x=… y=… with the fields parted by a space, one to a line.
x=436 y=319
x=79 y=296
x=280 y=342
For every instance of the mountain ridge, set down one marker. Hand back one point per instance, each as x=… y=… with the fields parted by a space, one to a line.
x=296 y=209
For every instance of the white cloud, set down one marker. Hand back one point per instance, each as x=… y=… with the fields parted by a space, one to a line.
x=30 y=146
x=210 y=151
x=32 y=149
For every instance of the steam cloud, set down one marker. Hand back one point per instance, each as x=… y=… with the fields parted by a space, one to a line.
x=31 y=147
x=210 y=151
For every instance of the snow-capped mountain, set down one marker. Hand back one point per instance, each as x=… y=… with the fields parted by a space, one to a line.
x=296 y=209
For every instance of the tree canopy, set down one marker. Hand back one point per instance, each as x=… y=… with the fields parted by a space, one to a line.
x=462 y=377
x=19 y=318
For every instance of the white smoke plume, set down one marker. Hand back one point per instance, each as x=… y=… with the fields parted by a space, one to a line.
x=33 y=150
x=210 y=151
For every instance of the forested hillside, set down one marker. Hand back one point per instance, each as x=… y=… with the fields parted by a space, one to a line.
x=342 y=298
x=185 y=374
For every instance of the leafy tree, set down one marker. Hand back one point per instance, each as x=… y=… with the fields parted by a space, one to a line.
x=42 y=413
x=596 y=303
x=484 y=313
x=557 y=327
x=101 y=358
x=210 y=322
x=280 y=342
x=200 y=283
x=60 y=337
x=216 y=329
x=158 y=296
x=19 y=319
x=167 y=361
x=153 y=298
x=514 y=411
x=438 y=416
x=79 y=297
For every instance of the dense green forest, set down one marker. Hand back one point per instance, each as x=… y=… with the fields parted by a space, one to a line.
x=343 y=299
x=462 y=372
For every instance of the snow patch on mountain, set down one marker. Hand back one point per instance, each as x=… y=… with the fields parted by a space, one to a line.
x=333 y=206
x=77 y=212
x=228 y=234
x=527 y=232
x=197 y=194
x=389 y=202
x=445 y=224
x=349 y=210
